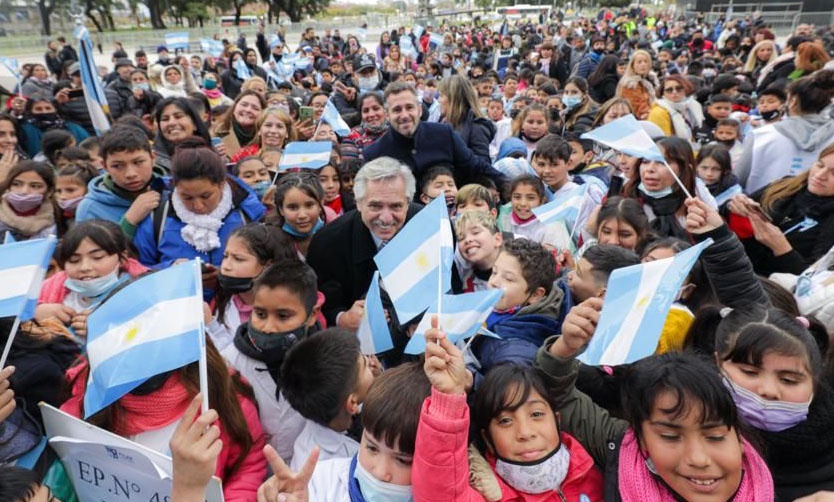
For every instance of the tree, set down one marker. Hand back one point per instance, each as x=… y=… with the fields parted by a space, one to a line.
x=156 y=11
x=45 y=9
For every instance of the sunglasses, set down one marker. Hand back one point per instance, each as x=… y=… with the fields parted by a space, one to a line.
x=673 y=89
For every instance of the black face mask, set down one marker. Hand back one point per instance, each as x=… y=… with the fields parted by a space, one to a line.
x=235 y=285
x=554 y=114
x=514 y=113
x=728 y=143
x=771 y=115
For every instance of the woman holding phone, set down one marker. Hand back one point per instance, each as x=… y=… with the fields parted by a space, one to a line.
x=792 y=220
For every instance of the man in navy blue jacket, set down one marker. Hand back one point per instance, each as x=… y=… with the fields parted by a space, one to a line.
x=422 y=145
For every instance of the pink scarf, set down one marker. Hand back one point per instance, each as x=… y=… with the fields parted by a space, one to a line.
x=637 y=484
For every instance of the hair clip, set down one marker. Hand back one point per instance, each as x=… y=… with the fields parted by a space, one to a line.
x=803 y=321
x=725 y=311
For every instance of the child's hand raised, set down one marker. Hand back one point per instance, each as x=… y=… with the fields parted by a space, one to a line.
x=444 y=364
x=285 y=485
x=578 y=328
x=195 y=447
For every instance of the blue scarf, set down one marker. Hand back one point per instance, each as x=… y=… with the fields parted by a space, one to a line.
x=353 y=485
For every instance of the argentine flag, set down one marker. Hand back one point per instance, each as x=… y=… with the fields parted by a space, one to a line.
x=460 y=318
x=22 y=268
x=418 y=260
x=177 y=40
x=637 y=302
x=211 y=47
x=374 y=335
x=94 y=95
x=151 y=326
x=626 y=135
x=305 y=155
x=563 y=207
x=331 y=116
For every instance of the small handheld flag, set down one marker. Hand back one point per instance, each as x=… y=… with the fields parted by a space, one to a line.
x=151 y=326
x=94 y=96
x=637 y=302
x=305 y=155
x=211 y=47
x=374 y=335
x=242 y=70
x=563 y=207
x=331 y=116
x=23 y=266
x=462 y=317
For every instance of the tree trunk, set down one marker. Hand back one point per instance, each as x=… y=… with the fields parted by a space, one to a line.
x=156 y=14
x=45 y=10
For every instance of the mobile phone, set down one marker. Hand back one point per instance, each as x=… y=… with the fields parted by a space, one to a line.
x=75 y=93
x=305 y=113
x=756 y=208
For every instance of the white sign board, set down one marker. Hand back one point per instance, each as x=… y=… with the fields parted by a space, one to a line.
x=105 y=466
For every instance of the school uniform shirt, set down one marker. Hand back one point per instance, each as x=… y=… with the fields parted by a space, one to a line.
x=222 y=334
x=281 y=423
x=330 y=481
x=332 y=444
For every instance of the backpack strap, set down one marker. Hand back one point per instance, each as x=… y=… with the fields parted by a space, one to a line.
x=160 y=215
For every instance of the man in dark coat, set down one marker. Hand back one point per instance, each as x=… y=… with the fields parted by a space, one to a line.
x=422 y=145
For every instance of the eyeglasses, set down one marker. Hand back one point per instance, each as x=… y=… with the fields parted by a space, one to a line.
x=670 y=90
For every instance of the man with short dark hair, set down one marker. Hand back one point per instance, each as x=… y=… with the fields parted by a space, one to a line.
x=422 y=145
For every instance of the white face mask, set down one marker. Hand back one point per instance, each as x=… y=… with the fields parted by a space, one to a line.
x=375 y=490
x=367 y=83
x=536 y=477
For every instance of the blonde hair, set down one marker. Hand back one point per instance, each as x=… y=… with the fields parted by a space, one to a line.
x=787 y=187
x=461 y=97
x=468 y=219
x=292 y=135
x=252 y=80
x=472 y=192
x=629 y=71
x=750 y=65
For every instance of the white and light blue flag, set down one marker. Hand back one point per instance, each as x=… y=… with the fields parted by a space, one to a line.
x=23 y=266
x=305 y=155
x=418 y=260
x=211 y=47
x=373 y=333
x=461 y=316
x=94 y=96
x=563 y=207
x=331 y=116
x=728 y=194
x=241 y=69
x=637 y=302
x=177 y=40
x=626 y=135
x=152 y=325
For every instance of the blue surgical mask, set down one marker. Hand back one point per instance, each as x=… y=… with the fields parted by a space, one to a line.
x=771 y=416
x=144 y=86
x=374 y=490
x=302 y=235
x=92 y=288
x=571 y=101
x=261 y=187
x=655 y=194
